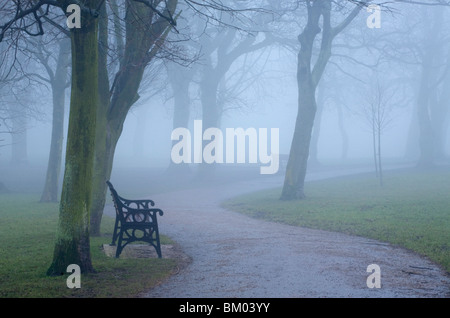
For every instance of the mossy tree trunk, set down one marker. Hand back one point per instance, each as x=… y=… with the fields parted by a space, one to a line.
x=104 y=155
x=72 y=241
x=100 y=167
x=145 y=33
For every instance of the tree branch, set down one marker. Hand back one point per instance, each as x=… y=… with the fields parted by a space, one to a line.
x=169 y=18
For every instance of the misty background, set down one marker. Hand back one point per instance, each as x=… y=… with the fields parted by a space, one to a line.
x=266 y=96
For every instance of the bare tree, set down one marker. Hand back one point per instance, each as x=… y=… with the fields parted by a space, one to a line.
x=17 y=106
x=378 y=112
x=57 y=68
x=432 y=107
x=142 y=34
x=308 y=77
x=309 y=72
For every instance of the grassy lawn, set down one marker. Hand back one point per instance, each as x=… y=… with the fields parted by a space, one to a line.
x=411 y=210
x=27 y=232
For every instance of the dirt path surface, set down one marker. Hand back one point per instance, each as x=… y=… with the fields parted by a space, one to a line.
x=237 y=256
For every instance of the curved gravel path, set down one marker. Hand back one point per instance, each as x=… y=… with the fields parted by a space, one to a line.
x=237 y=256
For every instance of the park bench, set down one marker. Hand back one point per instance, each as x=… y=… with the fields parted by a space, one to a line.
x=135 y=221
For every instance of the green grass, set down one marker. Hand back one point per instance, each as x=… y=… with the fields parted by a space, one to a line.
x=27 y=233
x=411 y=210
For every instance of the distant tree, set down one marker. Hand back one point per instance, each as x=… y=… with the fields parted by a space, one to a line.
x=441 y=115
x=56 y=66
x=19 y=137
x=6 y=76
x=218 y=48
x=312 y=61
x=432 y=104
x=17 y=106
x=229 y=46
x=180 y=79
x=418 y=45
x=378 y=112
x=315 y=135
x=49 y=57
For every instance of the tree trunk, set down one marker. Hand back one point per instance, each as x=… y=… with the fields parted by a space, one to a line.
x=209 y=87
x=374 y=143
x=429 y=70
x=137 y=55
x=210 y=113
x=439 y=115
x=343 y=132
x=19 y=154
x=412 y=146
x=50 y=192
x=180 y=80
x=104 y=157
x=426 y=138
x=140 y=129
x=380 y=168
x=298 y=158
x=307 y=81
x=107 y=139
x=99 y=176
x=313 y=157
x=72 y=240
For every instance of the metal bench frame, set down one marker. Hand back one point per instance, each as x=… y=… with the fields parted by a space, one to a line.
x=135 y=221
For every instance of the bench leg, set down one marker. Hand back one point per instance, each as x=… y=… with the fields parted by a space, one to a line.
x=158 y=250
x=119 y=246
x=115 y=234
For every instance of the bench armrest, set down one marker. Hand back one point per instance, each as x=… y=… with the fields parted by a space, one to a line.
x=140 y=215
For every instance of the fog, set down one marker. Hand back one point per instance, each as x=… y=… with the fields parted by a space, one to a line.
x=192 y=103
x=271 y=101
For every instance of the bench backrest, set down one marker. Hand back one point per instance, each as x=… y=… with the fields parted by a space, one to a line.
x=138 y=211
x=117 y=203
